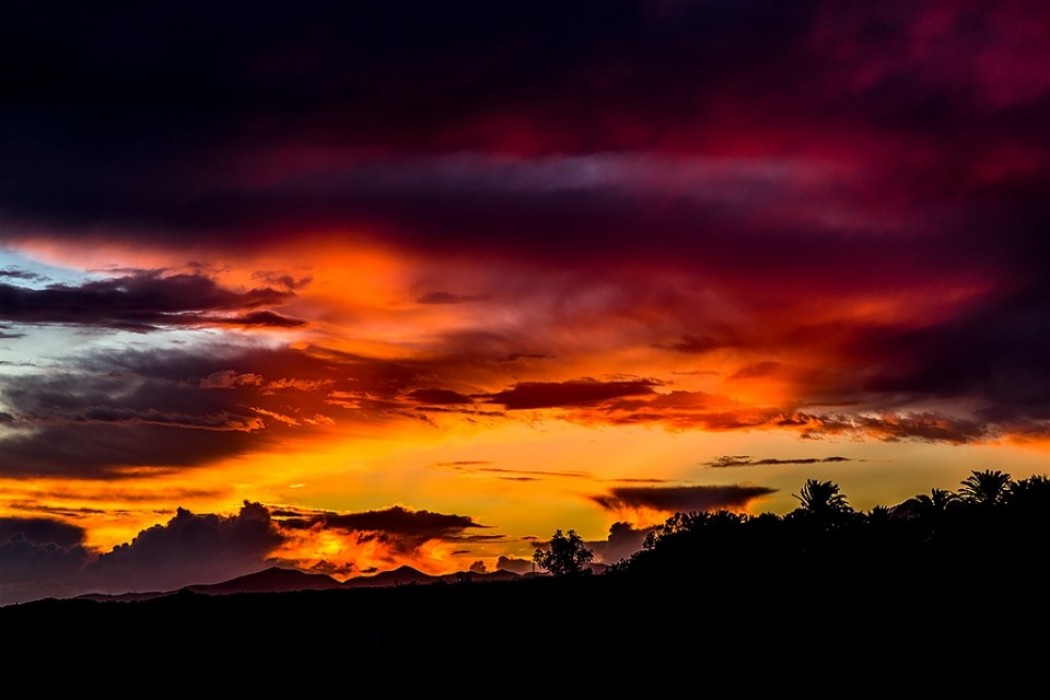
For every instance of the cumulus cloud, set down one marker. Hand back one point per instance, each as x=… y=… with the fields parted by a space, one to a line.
x=624 y=540
x=41 y=556
x=190 y=548
x=39 y=550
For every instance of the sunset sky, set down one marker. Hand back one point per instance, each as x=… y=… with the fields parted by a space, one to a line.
x=346 y=288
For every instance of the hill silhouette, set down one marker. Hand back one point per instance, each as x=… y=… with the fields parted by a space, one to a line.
x=272 y=580
x=865 y=592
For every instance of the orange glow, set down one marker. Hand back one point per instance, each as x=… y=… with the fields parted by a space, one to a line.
x=324 y=442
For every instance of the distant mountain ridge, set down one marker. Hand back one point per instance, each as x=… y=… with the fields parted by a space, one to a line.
x=276 y=579
x=272 y=580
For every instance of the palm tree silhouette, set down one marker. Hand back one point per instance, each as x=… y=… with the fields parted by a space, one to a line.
x=822 y=499
x=1033 y=491
x=985 y=488
x=935 y=503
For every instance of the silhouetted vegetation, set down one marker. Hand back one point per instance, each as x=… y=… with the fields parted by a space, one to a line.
x=565 y=555
x=869 y=592
x=991 y=519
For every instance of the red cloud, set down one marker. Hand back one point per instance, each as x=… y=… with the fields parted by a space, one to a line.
x=581 y=392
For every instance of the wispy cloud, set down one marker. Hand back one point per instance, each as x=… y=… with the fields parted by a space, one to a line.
x=729 y=461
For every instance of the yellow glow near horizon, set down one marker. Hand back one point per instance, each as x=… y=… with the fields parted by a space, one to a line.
x=520 y=473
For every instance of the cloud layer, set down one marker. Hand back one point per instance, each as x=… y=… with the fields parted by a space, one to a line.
x=40 y=556
x=142 y=302
x=290 y=229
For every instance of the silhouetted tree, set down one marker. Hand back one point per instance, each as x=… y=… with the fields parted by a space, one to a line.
x=879 y=515
x=935 y=503
x=566 y=555
x=822 y=499
x=986 y=488
x=1030 y=492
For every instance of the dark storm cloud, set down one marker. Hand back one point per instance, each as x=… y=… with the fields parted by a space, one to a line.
x=39 y=549
x=105 y=412
x=728 y=461
x=681 y=498
x=143 y=301
x=779 y=152
x=244 y=134
x=190 y=548
x=580 y=392
x=94 y=422
x=41 y=531
x=992 y=353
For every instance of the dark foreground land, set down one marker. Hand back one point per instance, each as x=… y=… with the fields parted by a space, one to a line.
x=867 y=618
x=935 y=590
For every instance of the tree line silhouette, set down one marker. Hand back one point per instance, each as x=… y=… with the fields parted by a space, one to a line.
x=991 y=521
x=892 y=593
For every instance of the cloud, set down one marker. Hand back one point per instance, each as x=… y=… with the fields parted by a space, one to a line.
x=481 y=467
x=450 y=298
x=515 y=356
x=281 y=279
x=407 y=528
x=378 y=539
x=38 y=550
x=695 y=345
x=727 y=461
x=93 y=423
x=230 y=379
x=41 y=531
x=100 y=413
x=757 y=370
x=672 y=499
x=580 y=392
x=623 y=541
x=827 y=162
x=439 y=397
x=144 y=301
x=892 y=427
x=188 y=549
x=19 y=274
x=40 y=556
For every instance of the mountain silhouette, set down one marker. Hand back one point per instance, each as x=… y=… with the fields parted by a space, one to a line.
x=403 y=575
x=271 y=580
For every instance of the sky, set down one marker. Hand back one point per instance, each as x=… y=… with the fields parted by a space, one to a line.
x=348 y=288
